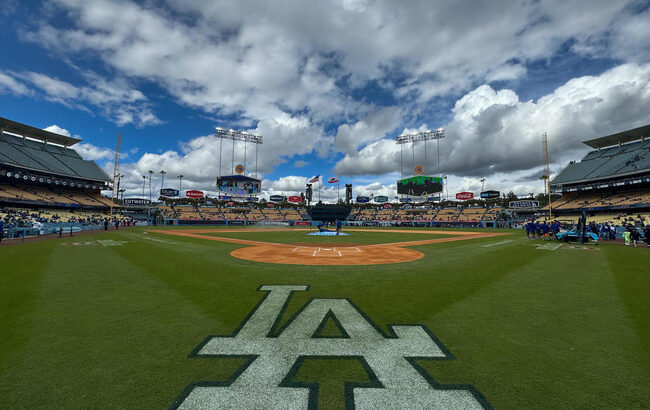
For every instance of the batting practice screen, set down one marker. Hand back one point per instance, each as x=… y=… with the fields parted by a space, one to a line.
x=239 y=185
x=420 y=185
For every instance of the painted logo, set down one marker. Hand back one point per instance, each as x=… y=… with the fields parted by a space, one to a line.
x=275 y=354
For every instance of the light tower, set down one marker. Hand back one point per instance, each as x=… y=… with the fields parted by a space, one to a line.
x=233 y=135
x=180 y=184
x=547 y=177
x=420 y=136
x=116 y=164
x=162 y=180
x=150 y=174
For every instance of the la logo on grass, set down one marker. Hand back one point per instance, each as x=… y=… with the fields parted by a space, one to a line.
x=275 y=355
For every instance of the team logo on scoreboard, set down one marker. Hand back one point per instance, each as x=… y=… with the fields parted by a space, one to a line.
x=418 y=170
x=239 y=169
x=274 y=354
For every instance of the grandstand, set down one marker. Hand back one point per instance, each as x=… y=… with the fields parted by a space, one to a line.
x=612 y=182
x=44 y=180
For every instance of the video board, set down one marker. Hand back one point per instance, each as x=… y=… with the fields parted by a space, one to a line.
x=419 y=185
x=239 y=185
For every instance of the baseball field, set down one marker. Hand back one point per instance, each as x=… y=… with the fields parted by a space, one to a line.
x=190 y=317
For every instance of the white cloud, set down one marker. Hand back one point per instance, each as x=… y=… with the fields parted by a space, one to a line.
x=493 y=131
x=58 y=130
x=11 y=85
x=115 y=99
x=300 y=163
x=373 y=127
x=258 y=60
x=86 y=150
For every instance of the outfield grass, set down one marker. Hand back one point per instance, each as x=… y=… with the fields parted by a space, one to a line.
x=355 y=237
x=92 y=326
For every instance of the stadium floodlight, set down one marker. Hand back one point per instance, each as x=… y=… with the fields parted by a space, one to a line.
x=233 y=135
x=426 y=135
x=238 y=135
x=420 y=136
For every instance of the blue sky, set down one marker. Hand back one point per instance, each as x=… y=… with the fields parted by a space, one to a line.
x=329 y=84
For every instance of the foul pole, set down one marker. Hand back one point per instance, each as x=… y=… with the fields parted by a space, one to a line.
x=116 y=164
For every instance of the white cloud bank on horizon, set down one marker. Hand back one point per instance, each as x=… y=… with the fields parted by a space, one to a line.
x=492 y=135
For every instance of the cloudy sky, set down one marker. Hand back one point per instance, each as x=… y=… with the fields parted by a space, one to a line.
x=329 y=84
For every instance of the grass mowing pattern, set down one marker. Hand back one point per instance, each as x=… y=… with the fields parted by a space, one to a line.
x=94 y=326
x=357 y=238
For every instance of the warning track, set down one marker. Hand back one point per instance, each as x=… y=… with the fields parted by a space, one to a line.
x=328 y=253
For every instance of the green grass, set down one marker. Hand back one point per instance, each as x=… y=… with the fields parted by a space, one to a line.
x=355 y=237
x=92 y=326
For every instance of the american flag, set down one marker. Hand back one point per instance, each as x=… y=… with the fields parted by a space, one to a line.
x=315 y=179
x=333 y=180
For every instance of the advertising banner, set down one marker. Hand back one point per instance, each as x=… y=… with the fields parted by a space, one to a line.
x=381 y=198
x=363 y=199
x=302 y=223
x=194 y=194
x=420 y=185
x=463 y=196
x=169 y=192
x=295 y=199
x=136 y=201
x=490 y=194
x=524 y=204
x=276 y=198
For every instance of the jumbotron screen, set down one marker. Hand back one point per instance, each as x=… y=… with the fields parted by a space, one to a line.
x=419 y=186
x=239 y=185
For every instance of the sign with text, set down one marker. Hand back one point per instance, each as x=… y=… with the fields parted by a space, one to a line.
x=194 y=194
x=363 y=199
x=276 y=198
x=169 y=192
x=490 y=194
x=295 y=199
x=464 y=196
x=381 y=198
x=136 y=201
x=524 y=204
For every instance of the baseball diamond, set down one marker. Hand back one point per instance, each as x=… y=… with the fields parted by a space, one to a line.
x=324 y=205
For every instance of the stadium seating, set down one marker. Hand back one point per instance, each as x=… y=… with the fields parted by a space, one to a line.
x=607 y=162
x=47 y=158
x=472 y=214
x=448 y=215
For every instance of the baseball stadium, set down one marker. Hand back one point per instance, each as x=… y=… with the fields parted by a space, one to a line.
x=337 y=204
x=229 y=302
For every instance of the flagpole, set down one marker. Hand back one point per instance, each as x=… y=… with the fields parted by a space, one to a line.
x=319 y=184
x=338 y=196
